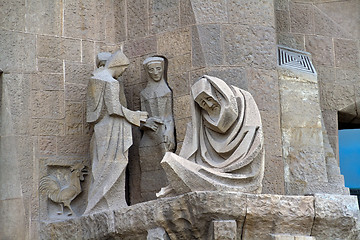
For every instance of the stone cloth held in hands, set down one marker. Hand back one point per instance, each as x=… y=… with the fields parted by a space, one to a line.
x=223 y=146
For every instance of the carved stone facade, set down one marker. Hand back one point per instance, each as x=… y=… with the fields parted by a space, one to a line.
x=48 y=51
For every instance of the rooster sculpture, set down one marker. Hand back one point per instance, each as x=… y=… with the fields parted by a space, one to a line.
x=64 y=194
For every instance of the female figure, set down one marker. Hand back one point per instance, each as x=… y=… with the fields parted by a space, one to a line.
x=223 y=146
x=106 y=109
x=158 y=131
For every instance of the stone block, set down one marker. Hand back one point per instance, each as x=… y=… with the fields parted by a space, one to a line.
x=210 y=11
x=342 y=15
x=337 y=96
x=326 y=74
x=62 y=230
x=140 y=47
x=18 y=52
x=278 y=215
x=162 y=5
x=304 y=166
x=74 y=118
x=187 y=16
x=49 y=81
x=347 y=76
x=96 y=226
x=305 y=97
x=157 y=234
x=291 y=40
x=50 y=65
x=179 y=64
x=174 y=43
x=88 y=52
x=346 y=53
x=13 y=15
x=46 y=145
x=236 y=76
x=47 y=127
x=75 y=92
x=15 y=104
x=44 y=17
x=153 y=181
x=206 y=45
x=85 y=20
x=336 y=217
x=281 y=5
x=302 y=18
x=12 y=222
x=252 y=12
x=282 y=21
x=47 y=104
x=181 y=126
x=164 y=21
x=326 y=26
x=321 y=49
x=132 y=75
x=224 y=230
x=182 y=107
x=264 y=88
x=137 y=19
x=240 y=49
x=59 y=48
x=179 y=84
x=73 y=145
x=115 y=21
x=78 y=73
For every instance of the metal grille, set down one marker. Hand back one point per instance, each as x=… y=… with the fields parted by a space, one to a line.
x=296 y=60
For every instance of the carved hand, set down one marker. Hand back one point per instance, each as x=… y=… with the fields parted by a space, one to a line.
x=143 y=116
x=153 y=123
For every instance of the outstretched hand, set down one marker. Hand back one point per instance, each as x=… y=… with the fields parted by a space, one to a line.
x=153 y=123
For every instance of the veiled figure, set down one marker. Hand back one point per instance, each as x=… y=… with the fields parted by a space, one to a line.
x=158 y=133
x=223 y=145
x=112 y=138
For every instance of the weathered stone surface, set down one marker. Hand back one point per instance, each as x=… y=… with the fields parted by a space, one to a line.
x=164 y=21
x=343 y=15
x=115 y=21
x=47 y=127
x=236 y=76
x=302 y=18
x=75 y=92
x=46 y=145
x=209 y=11
x=321 y=49
x=47 y=104
x=140 y=46
x=12 y=221
x=337 y=96
x=157 y=234
x=44 y=17
x=346 y=53
x=137 y=19
x=50 y=65
x=224 y=230
x=336 y=217
x=78 y=73
x=291 y=40
x=174 y=43
x=179 y=83
x=74 y=117
x=59 y=48
x=186 y=13
x=252 y=12
x=73 y=145
x=277 y=214
x=47 y=81
x=191 y=215
x=282 y=21
x=206 y=45
x=182 y=107
x=84 y=20
x=17 y=52
x=240 y=50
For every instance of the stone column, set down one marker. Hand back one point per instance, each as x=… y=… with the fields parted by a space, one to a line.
x=303 y=134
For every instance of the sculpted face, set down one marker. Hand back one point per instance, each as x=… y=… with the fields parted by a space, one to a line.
x=155 y=70
x=209 y=104
x=118 y=71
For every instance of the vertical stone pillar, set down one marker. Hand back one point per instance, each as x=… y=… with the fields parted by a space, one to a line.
x=302 y=128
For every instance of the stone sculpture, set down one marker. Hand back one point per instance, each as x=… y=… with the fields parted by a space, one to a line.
x=158 y=131
x=112 y=138
x=64 y=195
x=223 y=145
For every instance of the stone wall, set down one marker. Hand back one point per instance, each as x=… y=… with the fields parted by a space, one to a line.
x=47 y=55
x=330 y=31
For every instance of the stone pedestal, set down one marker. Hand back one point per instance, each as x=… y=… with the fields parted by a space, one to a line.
x=209 y=215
